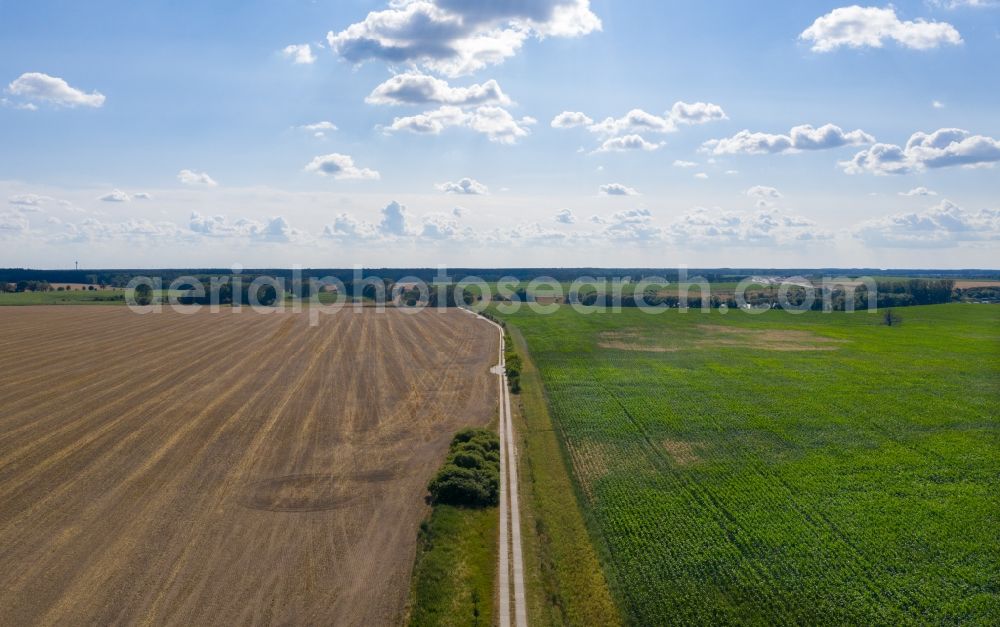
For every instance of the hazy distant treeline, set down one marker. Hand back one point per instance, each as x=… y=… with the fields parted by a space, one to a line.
x=227 y=288
x=120 y=277
x=888 y=294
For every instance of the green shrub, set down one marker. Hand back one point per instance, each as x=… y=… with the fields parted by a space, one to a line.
x=513 y=366
x=471 y=434
x=469 y=459
x=470 y=476
x=482 y=449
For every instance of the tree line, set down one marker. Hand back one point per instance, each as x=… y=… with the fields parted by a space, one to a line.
x=27 y=286
x=903 y=293
x=120 y=277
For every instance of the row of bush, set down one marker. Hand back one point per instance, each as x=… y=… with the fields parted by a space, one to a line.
x=471 y=475
x=513 y=363
x=493 y=318
x=45 y=286
x=985 y=293
x=511 y=359
x=26 y=286
x=890 y=294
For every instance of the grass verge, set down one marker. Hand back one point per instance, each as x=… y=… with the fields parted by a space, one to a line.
x=564 y=581
x=78 y=297
x=455 y=567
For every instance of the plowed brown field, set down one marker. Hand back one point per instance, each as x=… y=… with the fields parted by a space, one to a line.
x=224 y=468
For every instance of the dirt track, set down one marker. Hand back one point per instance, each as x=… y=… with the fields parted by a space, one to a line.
x=221 y=468
x=510 y=563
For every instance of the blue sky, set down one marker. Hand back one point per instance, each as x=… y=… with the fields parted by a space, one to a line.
x=174 y=133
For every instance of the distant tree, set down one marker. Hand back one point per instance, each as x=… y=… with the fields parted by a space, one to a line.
x=21 y=286
x=226 y=293
x=513 y=365
x=891 y=319
x=143 y=295
x=266 y=295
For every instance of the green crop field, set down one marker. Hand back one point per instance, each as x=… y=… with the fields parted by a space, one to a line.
x=74 y=297
x=80 y=297
x=780 y=468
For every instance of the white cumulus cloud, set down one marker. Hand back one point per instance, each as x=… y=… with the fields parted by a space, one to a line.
x=565 y=216
x=415 y=88
x=275 y=229
x=919 y=191
x=639 y=121
x=28 y=200
x=571 y=119
x=859 y=27
x=495 y=122
x=136 y=230
x=617 y=189
x=319 y=129
x=299 y=53
x=765 y=227
x=115 y=195
x=803 y=137
x=946 y=147
x=628 y=131
x=36 y=87
x=626 y=143
x=458 y=37
x=339 y=167
x=465 y=186
x=635 y=121
x=696 y=113
x=438 y=226
x=763 y=191
x=190 y=177
x=395 y=220
x=631 y=225
x=945 y=224
x=345 y=226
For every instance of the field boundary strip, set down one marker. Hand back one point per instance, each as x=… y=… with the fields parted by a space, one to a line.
x=510 y=556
